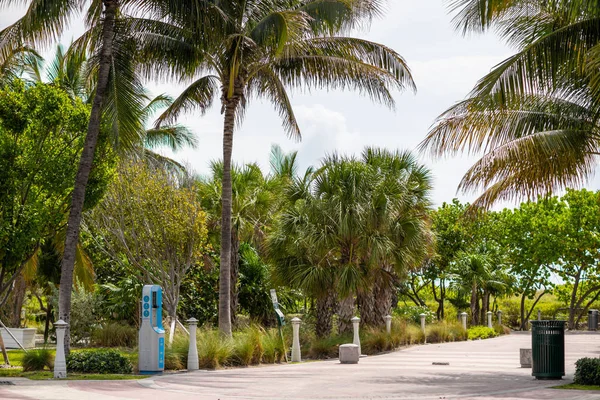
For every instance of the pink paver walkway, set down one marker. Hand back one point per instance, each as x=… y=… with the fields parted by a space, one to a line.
x=487 y=369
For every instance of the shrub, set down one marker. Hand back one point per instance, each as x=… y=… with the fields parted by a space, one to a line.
x=273 y=349
x=375 y=340
x=456 y=333
x=174 y=361
x=437 y=333
x=481 y=332
x=413 y=313
x=213 y=349
x=587 y=371
x=113 y=334
x=99 y=361
x=247 y=346
x=501 y=329
x=328 y=347
x=37 y=360
x=413 y=334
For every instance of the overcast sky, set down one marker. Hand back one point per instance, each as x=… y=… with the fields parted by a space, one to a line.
x=445 y=66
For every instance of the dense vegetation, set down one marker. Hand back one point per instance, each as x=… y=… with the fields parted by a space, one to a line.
x=89 y=213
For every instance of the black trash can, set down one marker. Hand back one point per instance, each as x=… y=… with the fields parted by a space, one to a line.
x=548 y=349
x=592 y=320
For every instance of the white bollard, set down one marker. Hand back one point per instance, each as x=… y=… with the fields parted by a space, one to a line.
x=192 y=361
x=296 y=352
x=489 y=317
x=60 y=362
x=423 y=322
x=539 y=314
x=463 y=319
x=356 y=341
x=499 y=314
x=388 y=324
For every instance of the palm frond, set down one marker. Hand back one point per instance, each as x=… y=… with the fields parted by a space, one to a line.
x=199 y=94
x=176 y=137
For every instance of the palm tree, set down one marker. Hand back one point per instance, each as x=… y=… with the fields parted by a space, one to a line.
x=479 y=271
x=252 y=201
x=260 y=49
x=398 y=228
x=349 y=230
x=534 y=115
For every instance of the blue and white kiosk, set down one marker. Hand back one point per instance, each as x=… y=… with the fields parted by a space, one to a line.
x=151 y=355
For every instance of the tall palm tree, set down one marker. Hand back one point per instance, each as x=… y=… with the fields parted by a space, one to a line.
x=260 y=49
x=110 y=40
x=534 y=115
x=252 y=201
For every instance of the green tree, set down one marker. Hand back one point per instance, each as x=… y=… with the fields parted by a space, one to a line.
x=252 y=203
x=348 y=229
x=264 y=48
x=453 y=233
x=41 y=136
x=524 y=233
x=111 y=38
x=156 y=224
x=574 y=242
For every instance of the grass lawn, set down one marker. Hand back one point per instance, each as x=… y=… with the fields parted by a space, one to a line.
x=574 y=386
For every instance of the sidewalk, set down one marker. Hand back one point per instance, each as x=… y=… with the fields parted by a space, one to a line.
x=486 y=369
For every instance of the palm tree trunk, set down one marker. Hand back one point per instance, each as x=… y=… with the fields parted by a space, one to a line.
x=85 y=166
x=324 y=312
x=226 y=204
x=235 y=267
x=345 y=311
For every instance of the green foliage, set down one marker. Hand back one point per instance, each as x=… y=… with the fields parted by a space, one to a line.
x=41 y=135
x=214 y=350
x=413 y=313
x=37 y=360
x=200 y=292
x=587 y=371
x=273 y=349
x=254 y=285
x=155 y=222
x=84 y=314
x=248 y=348
x=115 y=334
x=328 y=347
x=481 y=332
x=120 y=301
x=98 y=361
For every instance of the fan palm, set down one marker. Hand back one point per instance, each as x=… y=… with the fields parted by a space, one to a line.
x=353 y=226
x=260 y=49
x=534 y=115
x=397 y=227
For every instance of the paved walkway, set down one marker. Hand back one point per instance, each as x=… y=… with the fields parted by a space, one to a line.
x=487 y=369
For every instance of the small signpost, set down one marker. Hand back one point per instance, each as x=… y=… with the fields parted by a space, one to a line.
x=280 y=320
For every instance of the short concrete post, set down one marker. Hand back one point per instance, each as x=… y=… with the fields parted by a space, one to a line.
x=423 y=322
x=192 y=361
x=489 y=318
x=60 y=362
x=388 y=324
x=463 y=319
x=296 y=355
x=356 y=340
x=499 y=314
x=539 y=314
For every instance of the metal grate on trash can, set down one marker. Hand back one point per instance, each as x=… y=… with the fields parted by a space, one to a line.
x=548 y=349
x=593 y=320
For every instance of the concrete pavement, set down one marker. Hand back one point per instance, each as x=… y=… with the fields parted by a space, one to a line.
x=486 y=369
